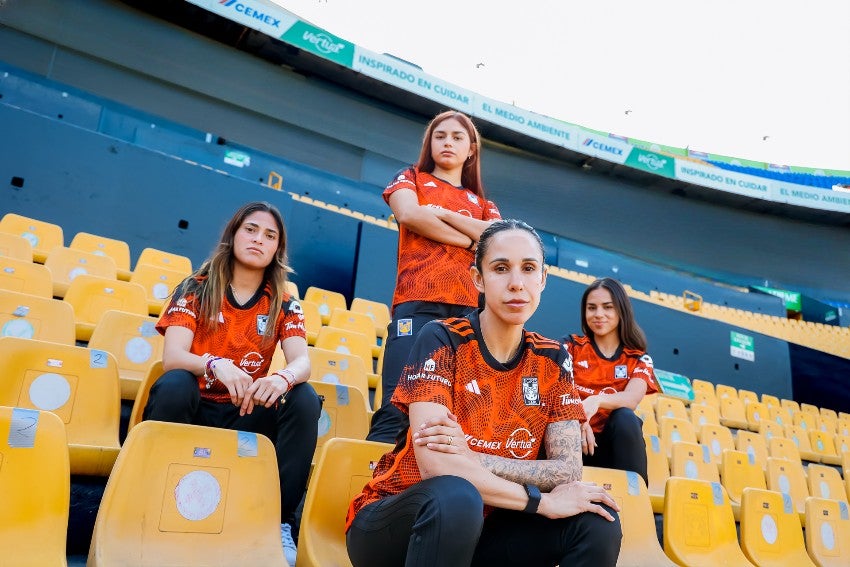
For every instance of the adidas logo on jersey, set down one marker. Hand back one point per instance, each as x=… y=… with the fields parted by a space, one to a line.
x=430 y=184
x=473 y=387
x=583 y=363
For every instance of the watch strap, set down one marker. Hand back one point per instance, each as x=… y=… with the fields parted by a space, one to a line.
x=533 y=493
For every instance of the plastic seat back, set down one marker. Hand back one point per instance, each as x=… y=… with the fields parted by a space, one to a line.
x=788 y=478
x=717 y=438
x=375 y=310
x=326 y=300
x=154 y=372
x=91 y=297
x=732 y=413
x=738 y=471
x=825 y=481
x=158 y=283
x=699 y=528
x=43 y=236
x=692 y=460
x=823 y=446
x=780 y=415
x=337 y=368
x=23 y=276
x=724 y=391
x=167 y=260
x=133 y=341
x=658 y=471
x=348 y=342
x=769 y=429
x=345 y=413
x=343 y=468
x=704 y=414
x=35 y=487
x=756 y=411
x=747 y=396
x=15 y=246
x=703 y=386
x=640 y=542
x=843 y=426
x=789 y=405
x=31 y=317
x=78 y=384
x=800 y=437
x=828 y=532
x=674 y=430
x=190 y=495
x=670 y=407
x=806 y=420
x=65 y=264
x=312 y=320
x=783 y=448
x=754 y=445
x=770 y=401
x=359 y=323
x=810 y=408
x=116 y=249
x=771 y=533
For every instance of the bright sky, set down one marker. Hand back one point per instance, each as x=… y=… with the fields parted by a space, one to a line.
x=767 y=80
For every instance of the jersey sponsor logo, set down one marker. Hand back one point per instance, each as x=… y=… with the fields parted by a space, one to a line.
x=483 y=443
x=296 y=308
x=530 y=392
x=404 y=328
x=251 y=362
x=473 y=387
x=583 y=364
x=568 y=400
x=642 y=370
x=262 y=323
x=430 y=184
x=472 y=198
x=188 y=312
x=646 y=359
x=585 y=389
x=430 y=365
x=520 y=443
x=621 y=371
x=568 y=364
x=181 y=302
x=294 y=326
x=429 y=376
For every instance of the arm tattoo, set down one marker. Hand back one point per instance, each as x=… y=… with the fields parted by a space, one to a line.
x=563 y=462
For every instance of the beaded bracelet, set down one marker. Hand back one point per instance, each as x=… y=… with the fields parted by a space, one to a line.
x=288 y=377
x=209 y=369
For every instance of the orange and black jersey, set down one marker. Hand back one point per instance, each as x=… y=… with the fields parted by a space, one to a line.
x=504 y=409
x=430 y=270
x=595 y=374
x=239 y=334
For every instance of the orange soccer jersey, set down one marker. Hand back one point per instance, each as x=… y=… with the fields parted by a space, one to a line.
x=430 y=270
x=239 y=333
x=595 y=374
x=503 y=408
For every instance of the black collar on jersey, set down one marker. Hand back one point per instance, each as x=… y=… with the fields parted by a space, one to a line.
x=475 y=322
x=248 y=304
x=614 y=356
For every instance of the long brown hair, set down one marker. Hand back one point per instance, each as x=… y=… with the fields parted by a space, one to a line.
x=209 y=283
x=629 y=332
x=470 y=176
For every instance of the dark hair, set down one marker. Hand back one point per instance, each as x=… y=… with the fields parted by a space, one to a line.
x=630 y=333
x=210 y=281
x=470 y=176
x=498 y=226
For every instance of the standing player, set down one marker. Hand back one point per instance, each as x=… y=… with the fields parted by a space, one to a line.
x=612 y=374
x=441 y=210
x=221 y=329
x=481 y=396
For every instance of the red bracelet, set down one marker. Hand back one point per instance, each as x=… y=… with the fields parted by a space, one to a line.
x=288 y=377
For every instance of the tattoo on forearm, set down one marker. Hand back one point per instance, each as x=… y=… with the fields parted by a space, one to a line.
x=563 y=462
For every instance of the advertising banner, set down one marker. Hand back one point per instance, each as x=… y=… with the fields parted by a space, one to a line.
x=603 y=147
x=260 y=16
x=792 y=299
x=729 y=181
x=742 y=346
x=320 y=42
x=812 y=197
x=527 y=122
x=652 y=162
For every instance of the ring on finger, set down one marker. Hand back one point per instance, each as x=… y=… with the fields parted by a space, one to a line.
x=451 y=440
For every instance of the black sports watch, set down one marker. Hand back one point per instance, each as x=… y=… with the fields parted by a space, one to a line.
x=533 y=499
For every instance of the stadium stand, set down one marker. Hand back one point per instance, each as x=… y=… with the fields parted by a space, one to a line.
x=770 y=530
x=116 y=249
x=32 y=317
x=43 y=236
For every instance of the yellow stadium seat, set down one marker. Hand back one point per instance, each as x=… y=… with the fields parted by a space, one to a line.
x=699 y=528
x=292 y=289
x=771 y=533
x=92 y=296
x=754 y=445
x=650 y=425
x=348 y=342
x=843 y=426
x=732 y=413
x=343 y=468
x=823 y=445
x=692 y=460
x=78 y=384
x=65 y=264
x=184 y=495
x=674 y=430
x=15 y=246
x=756 y=411
x=35 y=488
x=702 y=386
x=781 y=416
x=825 y=481
x=143 y=393
x=42 y=235
x=670 y=407
x=800 y=437
x=31 y=317
x=359 y=323
x=116 y=249
x=703 y=414
x=377 y=311
x=739 y=471
x=312 y=320
x=326 y=300
x=842 y=445
x=167 y=260
x=345 y=413
x=828 y=423
x=22 y=276
x=747 y=396
x=640 y=542
x=658 y=471
x=770 y=401
x=724 y=391
x=158 y=284
x=828 y=413
x=717 y=438
x=807 y=420
x=338 y=368
x=810 y=408
x=133 y=341
x=705 y=399
x=646 y=407
x=788 y=478
x=770 y=428
x=790 y=405
x=828 y=532
x=784 y=448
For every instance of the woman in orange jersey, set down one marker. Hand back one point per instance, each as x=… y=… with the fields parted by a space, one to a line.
x=441 y=209
x=221 y=329
x=612 y=374
x=481 y=396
